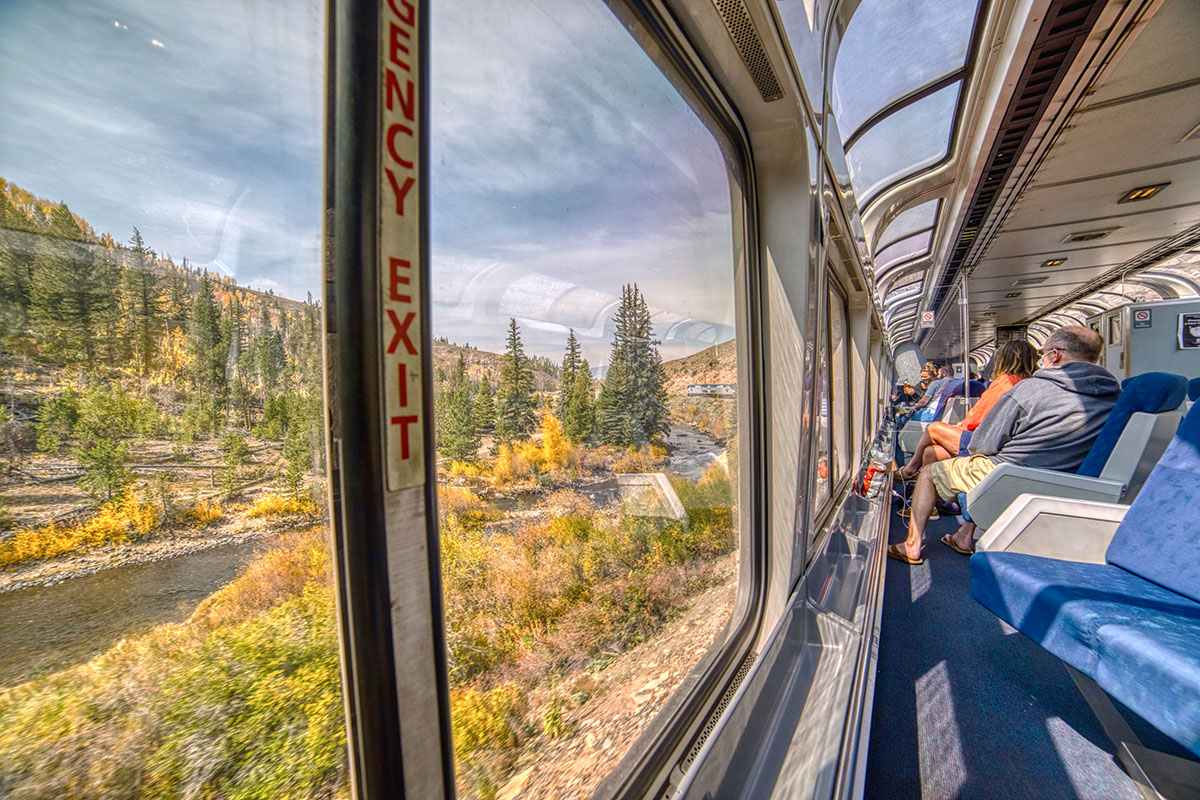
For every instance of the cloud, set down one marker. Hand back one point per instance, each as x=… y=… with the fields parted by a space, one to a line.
x=157 y=43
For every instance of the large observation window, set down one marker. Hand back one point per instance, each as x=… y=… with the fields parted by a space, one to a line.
x=586 y=389
x=915 y=137
x=891 y=49
x=168 y=624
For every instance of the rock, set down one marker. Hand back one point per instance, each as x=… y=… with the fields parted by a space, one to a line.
x=519 y=782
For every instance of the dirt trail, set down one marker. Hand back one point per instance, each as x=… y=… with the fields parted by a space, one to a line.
x=631 y=691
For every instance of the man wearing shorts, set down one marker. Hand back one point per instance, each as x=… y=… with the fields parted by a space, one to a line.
x=1048 y=421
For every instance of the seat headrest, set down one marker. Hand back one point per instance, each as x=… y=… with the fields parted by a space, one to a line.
x=1159 y=538
x=1151 y=393
x=1194 y=389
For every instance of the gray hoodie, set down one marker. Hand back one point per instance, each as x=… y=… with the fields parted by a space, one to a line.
x=1049 y=420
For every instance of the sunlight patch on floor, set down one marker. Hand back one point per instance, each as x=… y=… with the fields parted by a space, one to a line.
x=939 y=746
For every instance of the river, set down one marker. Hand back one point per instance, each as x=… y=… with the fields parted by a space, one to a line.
x=48 y=628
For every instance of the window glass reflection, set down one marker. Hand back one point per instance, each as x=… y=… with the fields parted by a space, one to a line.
x=901 y=251
x=909 y=222
x=915 y=137
x=892 y=48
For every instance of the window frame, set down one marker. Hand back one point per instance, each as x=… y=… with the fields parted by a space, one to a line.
x=381 y=766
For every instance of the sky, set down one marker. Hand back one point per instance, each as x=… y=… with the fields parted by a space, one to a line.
x=563 y=163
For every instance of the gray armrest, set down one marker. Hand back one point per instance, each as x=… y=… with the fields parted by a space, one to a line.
x=1053 y=527
x=987 y=501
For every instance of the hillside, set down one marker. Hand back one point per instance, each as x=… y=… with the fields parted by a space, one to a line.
x=716 y=364
x=445 y=358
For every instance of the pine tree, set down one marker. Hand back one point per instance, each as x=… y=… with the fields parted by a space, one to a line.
x=485 y=406
x=614 y=423
x=458 y=439
x=566 y=374
x=637 y=392
x=204 y=338
x=514 y=397
x=579 y=417
x=140 y=305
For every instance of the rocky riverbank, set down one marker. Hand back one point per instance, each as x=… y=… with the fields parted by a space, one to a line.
x=167 y=543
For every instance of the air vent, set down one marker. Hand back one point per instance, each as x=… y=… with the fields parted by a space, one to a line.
x=1064 y=29
x=1086 y=236
x=1030 y=281
x=750 y=47
x=723 y=704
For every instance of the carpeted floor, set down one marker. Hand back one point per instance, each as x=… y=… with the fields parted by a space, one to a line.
x=966 y=707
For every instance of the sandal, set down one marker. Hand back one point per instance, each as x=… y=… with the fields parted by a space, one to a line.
x=900 y=555
x=949 y=542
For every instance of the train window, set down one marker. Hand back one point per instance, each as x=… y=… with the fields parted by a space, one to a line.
x=1114 y=329
x=585 y=389
x=902 y=250
x=891 y=49
x=804 y=24
x=167 y=615
x=915 y=137
x=839 y=394
x=908 y=222
x=824 y=474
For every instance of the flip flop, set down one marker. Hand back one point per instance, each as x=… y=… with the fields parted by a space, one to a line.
x=900 y=555
x=946 y=540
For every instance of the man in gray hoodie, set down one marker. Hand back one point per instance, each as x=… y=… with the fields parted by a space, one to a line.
x=1048 y=421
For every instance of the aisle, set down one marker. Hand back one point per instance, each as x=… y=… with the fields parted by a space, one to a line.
x=965 y=707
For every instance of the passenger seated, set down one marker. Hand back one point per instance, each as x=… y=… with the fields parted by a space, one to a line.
x=1014 y=361
x=904 y=399
x=941 y=380
x=1048 y=421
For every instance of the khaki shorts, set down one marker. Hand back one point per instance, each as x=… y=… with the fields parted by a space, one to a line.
x=956 y=475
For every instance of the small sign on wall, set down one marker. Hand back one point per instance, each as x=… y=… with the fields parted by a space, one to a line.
x=926 y=319
x=1141 y=318
x=1189 y=331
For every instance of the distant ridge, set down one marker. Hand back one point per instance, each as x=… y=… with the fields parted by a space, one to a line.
x=716 y=364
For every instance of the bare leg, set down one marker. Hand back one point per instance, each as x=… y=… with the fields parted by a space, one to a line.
x=918 y=456
x=924 y=495
x=946 y=436
x=935 y=453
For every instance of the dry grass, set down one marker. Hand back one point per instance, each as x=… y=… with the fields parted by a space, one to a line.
x=116 y=522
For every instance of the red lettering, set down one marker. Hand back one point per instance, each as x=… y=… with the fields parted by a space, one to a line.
x=396 y=279
x=401 y=191
x=408 y=18
x=391 y=143
x=397 y=47
x=405 y=97
x=403 y=384
x=400 y=331
x=404 y=422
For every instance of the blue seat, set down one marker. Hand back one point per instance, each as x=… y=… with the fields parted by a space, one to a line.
x=1151 y=393
x=1194 y=389
x=1133 y=623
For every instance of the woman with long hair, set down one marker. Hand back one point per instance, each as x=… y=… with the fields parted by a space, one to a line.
x=1013 y=362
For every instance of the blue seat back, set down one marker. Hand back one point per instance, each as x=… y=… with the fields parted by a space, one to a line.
x=1150 y=392
x=1194 y=389
x=1159 y=538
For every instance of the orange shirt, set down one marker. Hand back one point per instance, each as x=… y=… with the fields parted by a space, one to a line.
x=990 y=395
